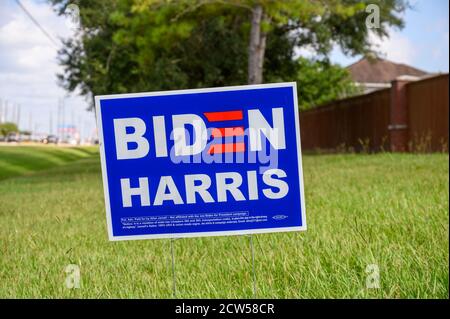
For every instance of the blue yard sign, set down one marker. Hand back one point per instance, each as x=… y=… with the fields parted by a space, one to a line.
x=204 y=162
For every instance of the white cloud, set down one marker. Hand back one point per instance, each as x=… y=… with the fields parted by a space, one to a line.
x=397 y=47
x=28 y=64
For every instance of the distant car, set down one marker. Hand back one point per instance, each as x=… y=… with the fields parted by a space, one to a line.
x=12 y=137
x=73 y=141
x=25 y=137
x=50 y=139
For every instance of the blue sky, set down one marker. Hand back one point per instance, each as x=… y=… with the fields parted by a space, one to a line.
x=28 y=59
x=422 y=43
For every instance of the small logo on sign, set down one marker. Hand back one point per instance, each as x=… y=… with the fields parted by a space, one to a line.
x=279 y=217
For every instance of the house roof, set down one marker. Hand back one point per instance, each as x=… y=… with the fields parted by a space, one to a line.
x=378 y=70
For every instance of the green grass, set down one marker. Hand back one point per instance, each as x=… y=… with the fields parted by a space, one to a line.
x=16 y=161
x=385 y=209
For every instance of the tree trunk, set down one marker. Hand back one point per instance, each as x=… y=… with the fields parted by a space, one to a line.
x=256 y=47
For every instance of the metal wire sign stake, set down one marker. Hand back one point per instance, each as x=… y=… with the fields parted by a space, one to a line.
x=174 y=278
x=253 y=266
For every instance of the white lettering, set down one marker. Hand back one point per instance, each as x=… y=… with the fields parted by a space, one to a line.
x=123 y=138
x=159 y=132
x=179 y=134
x=282 y=186
x=141 y=191
x=258 y=124
x=201 y=189
x=223 y=187
x=173 y=194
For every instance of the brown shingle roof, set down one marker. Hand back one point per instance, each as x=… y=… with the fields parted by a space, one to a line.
x=380 y=71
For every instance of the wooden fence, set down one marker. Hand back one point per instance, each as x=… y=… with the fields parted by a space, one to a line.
x=428 y=114
x=365 y=122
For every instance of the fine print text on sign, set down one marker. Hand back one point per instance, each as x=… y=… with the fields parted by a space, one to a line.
x=220 y=161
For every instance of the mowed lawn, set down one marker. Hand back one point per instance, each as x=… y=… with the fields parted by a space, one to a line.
x=388 y=210
x=20 y=160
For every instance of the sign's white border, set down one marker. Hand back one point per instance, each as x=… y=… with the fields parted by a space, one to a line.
x=99 y=98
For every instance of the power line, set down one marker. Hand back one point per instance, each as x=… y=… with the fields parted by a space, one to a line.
x=36 y=23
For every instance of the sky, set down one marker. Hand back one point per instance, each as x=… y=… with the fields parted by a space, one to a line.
x=28 y=59
x=28 y=68
x=422 y=43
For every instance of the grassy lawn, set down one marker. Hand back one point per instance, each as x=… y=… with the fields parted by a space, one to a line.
x=386 y=209
x=20 y=160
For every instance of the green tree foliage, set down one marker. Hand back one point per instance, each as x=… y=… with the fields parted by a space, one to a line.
x=335 y=83
x=132 y=47
x=147 y=45
x=8 y=127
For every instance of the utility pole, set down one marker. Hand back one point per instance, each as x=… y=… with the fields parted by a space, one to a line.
x=79 y=129
x=30 y=122
x=13 y=113
x=63 y=118
x=50 y=130
x=18 y=116
x=72 y=125
x=58 y=119
x=6 y=111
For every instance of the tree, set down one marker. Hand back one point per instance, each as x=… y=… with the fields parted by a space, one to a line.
x=130 y=46
x=142 y=45
x=317 y=24
x=320 y=82
x=8 y=127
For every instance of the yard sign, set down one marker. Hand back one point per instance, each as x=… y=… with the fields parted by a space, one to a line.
x=204 y=162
